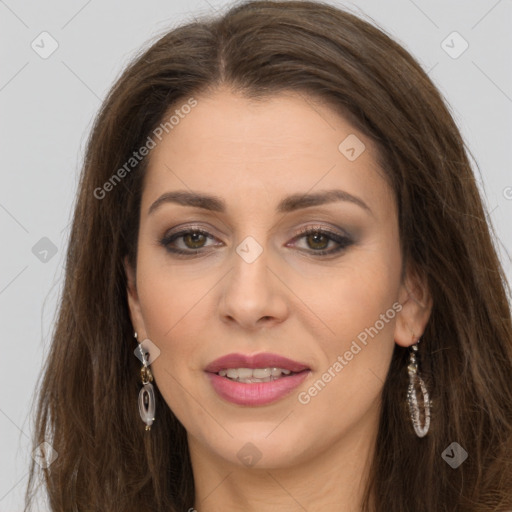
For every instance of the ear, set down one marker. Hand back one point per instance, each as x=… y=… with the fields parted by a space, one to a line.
x=416 y=301
x=133 y=300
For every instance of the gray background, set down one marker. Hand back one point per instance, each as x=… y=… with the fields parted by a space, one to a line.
x=47 y=109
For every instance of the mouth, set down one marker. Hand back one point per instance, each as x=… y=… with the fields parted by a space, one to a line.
x=255 y=380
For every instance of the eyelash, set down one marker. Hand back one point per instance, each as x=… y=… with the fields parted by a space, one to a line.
x=343 y=241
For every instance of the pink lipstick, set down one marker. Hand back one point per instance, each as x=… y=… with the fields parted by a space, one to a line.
x=255 y=380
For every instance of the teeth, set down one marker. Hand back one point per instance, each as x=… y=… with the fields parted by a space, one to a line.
x=254 y=374
x=263 y=373
x=240 y=373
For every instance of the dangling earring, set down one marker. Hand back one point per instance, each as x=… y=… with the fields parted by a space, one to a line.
x=412 y=397
x=147 y=393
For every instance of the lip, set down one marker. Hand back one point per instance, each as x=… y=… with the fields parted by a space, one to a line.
x=263 y=360
x=255 y=393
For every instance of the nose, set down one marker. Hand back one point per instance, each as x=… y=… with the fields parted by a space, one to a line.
x=252 y=295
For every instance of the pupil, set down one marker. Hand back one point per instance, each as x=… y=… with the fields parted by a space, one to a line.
x=195 y=237
x=316 y=238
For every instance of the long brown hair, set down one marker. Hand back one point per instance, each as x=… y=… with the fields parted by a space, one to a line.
x=87 y=401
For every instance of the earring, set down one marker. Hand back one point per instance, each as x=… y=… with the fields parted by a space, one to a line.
x=147 y=393
x=412 y=397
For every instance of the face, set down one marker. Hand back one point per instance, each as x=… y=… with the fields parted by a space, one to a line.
x=260 y=267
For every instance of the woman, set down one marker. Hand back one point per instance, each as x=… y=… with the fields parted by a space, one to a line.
x=278 y=217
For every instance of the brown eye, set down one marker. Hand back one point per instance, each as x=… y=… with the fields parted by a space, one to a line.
x=317 y=241
x=194 y=240
x=189 y=242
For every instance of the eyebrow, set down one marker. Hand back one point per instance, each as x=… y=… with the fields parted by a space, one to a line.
x=286 y=205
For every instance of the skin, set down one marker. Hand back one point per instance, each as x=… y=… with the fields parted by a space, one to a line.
x=289 y=301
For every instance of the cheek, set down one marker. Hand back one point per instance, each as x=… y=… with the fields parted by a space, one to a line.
x=356 y=357
x=174 y=311
x=174 y=318
x=352 y=296
x=359 y=311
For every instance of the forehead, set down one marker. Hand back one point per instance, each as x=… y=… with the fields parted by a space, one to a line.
x=237 y=147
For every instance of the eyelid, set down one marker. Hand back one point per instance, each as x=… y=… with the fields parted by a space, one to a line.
x=323 y=229
x=188 y=227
